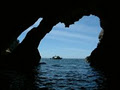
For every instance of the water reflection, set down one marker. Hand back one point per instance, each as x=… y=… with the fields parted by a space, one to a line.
x=53 y=75
x=69 y=74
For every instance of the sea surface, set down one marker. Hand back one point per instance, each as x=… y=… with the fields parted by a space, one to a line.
x=69 y=74
x=50 y=74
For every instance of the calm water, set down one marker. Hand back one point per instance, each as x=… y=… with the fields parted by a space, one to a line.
x=69 y=74
x=65 y=74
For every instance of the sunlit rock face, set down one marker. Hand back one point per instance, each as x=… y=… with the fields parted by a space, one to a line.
x=103 y=57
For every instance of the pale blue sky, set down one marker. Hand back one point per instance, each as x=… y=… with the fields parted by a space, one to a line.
x=77 y=41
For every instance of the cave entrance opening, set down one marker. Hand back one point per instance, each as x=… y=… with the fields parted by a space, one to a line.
x=23 y=34
x=77 y=41
x=73 y=44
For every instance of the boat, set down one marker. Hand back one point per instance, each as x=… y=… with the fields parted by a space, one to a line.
x=56 y=57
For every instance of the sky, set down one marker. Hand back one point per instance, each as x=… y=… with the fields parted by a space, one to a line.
x=77 y=41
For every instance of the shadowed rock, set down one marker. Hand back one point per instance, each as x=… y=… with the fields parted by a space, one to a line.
x=27 y=53
x=15 y=22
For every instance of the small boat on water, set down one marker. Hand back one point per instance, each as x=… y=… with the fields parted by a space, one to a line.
x=56 y=57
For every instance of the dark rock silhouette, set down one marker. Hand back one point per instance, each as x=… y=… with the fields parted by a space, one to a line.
x=30 y=55
x=104 y=57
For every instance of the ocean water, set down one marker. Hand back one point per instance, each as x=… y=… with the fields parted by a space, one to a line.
x=64 y=74
x=69 y=74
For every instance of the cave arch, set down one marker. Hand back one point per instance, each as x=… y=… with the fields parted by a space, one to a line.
x=78 y=34
x=107 y=13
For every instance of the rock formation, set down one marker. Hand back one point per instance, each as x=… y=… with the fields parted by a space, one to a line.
x=28 y=47
x=16 y=20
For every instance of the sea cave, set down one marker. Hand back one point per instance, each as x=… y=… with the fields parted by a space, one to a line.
x=26 y=55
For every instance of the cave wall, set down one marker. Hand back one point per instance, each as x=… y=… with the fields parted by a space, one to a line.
x=16 y=19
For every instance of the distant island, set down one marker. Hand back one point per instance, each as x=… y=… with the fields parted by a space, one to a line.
x=56 y=57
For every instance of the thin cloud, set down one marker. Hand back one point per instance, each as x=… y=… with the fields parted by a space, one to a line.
x=76 y=49
x=79 y=28
x=58 y=33
x=82 y=28
x=68 y=40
